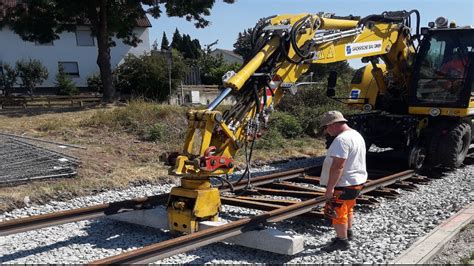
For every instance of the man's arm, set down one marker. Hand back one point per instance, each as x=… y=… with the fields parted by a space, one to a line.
x=335 y=173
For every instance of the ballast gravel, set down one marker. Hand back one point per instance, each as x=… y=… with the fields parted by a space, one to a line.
x=381 y=233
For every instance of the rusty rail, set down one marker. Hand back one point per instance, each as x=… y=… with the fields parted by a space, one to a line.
x=277 y=210
x=50 y=219
x=97 y=211
x=185 y=243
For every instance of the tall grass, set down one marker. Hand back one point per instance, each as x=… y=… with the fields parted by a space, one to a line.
x=148 y=120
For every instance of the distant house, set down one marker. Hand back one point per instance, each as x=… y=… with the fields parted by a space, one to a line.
x=229 y=56
x=75 y=51
x=199 y=95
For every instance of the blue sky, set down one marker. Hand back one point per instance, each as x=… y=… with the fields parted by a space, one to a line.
x=227 y=20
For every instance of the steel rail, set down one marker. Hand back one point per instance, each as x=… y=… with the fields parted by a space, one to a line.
x=155 y=252
x=268 y=179
x=264 y=206
x=50 y=219
x=101 y=210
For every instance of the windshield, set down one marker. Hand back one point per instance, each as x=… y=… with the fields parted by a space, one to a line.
x=444 y=68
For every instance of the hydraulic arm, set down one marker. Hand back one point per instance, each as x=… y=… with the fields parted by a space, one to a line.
x=284 y=48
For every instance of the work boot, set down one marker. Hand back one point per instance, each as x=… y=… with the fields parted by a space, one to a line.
x=337 y=244
x=349 y=234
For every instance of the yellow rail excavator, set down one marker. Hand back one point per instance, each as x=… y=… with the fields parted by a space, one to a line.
x=415 y=95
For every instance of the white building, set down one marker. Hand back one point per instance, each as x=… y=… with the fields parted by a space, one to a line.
x=75 y=51
x=228 y=56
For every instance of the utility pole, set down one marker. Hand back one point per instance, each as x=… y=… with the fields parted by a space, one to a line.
x=170 y=62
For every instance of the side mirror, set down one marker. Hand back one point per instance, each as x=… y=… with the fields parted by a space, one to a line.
x=331 y=89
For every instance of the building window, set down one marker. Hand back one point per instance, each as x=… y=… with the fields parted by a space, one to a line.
x=69 y=68
x=84 y=38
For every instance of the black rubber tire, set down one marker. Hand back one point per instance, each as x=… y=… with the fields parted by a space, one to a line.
x=433 y=157
x=453 y=147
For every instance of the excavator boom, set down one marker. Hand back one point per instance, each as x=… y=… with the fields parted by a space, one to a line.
x=415 y=92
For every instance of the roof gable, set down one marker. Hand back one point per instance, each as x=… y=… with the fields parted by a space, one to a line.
x=227 y=52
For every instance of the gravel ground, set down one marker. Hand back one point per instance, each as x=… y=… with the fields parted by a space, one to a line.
x=459 y=250
x=381 y=233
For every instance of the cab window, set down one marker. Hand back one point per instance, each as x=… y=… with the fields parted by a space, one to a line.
x=444 y=68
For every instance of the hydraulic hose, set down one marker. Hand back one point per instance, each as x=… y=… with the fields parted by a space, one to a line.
x=293 y=37
x=285 y=50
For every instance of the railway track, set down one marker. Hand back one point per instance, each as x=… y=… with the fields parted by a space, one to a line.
x=300 y=185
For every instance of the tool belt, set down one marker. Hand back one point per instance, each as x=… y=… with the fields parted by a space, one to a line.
x=347 y=193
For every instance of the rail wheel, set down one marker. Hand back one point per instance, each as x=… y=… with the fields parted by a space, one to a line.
x=453 y=147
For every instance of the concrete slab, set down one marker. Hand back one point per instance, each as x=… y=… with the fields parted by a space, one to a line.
x=155 y=218
x=423 y=250
x=268 y=239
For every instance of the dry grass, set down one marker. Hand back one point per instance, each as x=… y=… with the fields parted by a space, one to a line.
x=119 y=152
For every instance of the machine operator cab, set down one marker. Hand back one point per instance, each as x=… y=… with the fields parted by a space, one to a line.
x=444 y=69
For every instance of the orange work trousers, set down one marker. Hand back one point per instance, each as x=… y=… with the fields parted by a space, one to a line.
x=344 y=201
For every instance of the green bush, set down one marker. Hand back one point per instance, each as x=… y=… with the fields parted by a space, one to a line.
x=94 y=82
x=147 y=76
x=9 y=78
x=212 y=68
x=287 y=124
x=270 y=140
x=31 y=73
x=157 y=132
x=65 y=84
x=309 y=104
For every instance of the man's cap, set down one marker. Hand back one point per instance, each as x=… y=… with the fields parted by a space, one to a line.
x=332 y=117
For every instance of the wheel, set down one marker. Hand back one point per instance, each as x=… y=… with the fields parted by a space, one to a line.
x=453 y=146
x=417 y=157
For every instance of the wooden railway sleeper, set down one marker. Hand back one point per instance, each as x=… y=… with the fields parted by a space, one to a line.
x=290 y=186
x=419 y=179
x=383 y=192
x=404 y=185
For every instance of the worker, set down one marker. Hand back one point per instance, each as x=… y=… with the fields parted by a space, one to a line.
x=452 y=71
x=454 y=68
x=343 y=173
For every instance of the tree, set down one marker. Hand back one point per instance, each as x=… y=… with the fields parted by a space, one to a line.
x=31 y=73
x=147 y=76
x=243 y=45
x=154 y=45
x=212 y=68
x=9 y=78
x=164 y=42
x=65 y=84
x=190 y=49
x=177 y=40
x=44 y=20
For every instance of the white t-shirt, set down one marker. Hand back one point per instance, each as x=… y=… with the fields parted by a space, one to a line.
x=349 y=145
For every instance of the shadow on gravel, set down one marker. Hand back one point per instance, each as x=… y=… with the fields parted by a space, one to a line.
x=223 y=253
x=216 y=253
x=219 y=252
x=101 y=234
